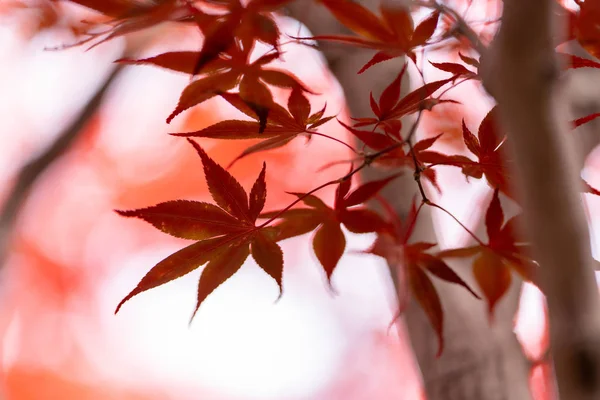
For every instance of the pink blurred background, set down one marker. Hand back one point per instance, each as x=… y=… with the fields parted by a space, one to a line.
x=73 y=258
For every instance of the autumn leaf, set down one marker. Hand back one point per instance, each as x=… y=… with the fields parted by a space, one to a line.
x=133 y=17
x=329 y=241
x=251 y=78
x=586 y=28
x=457 y=70
x=488 y=147
x=281 y=126
x=391 y=107
x=226 y=233
x=400 y=156
x=418 y=265
x=393 y=34
x=503 y=253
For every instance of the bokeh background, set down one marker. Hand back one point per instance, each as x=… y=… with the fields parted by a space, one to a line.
x=72 y=258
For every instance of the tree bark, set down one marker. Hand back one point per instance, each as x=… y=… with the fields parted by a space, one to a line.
x=480 y=361
x=522 y=73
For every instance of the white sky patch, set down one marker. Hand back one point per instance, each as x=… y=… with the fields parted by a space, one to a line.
x=240 y=342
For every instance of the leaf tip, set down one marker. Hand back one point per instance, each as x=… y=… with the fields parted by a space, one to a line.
x=175 y=113
x=126 y=213
x=125 y=299
x=440 y=347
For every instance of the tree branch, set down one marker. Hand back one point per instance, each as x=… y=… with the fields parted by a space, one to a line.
x=523 y=76
x=35 y=168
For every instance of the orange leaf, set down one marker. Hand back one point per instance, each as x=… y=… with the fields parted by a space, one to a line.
x=492 y=276
x=397 y=17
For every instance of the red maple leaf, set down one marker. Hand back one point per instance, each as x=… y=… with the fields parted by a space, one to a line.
x=585 y=26
x=488 y=147
x=132 y=16
x=495 y=260
x=329 y=241
x=225 y=73
x=226 y=233
x=416 y=265
x=401 y=155
x=391 y=107
x=281 y=127
x=393 y=34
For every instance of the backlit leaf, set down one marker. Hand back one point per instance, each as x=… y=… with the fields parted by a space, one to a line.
x=219 y=269
x=492 y=277
x=424 y=292
x=187 y=219
x=224 y=189
x=329 y=244
x=258 y=195
x=268 y=256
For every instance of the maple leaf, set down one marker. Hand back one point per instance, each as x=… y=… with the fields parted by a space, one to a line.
x=226 y=233
x=495 y=260
x=244 y=24
x=416 y=265
x=329 y=241
x=393 y=34
x=112 y=8
x=586 y=28
x=228 y=73
x=281 y=127
x=391 y=107
x=487 y=146
x=132 y=16
x=457 y=70
x=399 y=156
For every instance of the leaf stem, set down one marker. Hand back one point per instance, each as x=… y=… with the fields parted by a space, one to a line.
x=479 y=241
x=334 y=139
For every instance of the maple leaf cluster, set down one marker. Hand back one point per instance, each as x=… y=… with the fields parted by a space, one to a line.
x=227 y=233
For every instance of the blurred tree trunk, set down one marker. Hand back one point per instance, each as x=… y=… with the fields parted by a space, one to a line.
x=522 y=72
x=480 y=361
